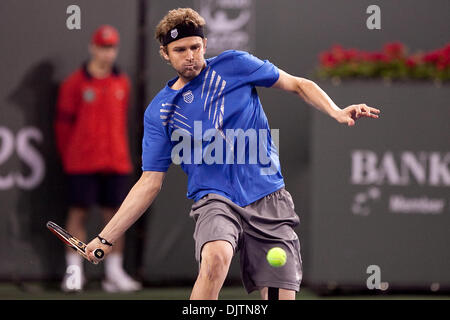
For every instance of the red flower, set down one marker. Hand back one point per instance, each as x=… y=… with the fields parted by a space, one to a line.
x=379 y=57
x=338 y=53
x=431 y=57
x=364 y=56
x=327 y=59
x=351 y=55
x=394 y=50
x=444 y=58
x=411 y=62
x=440 y=57
x=443 y=62
x=446 y=50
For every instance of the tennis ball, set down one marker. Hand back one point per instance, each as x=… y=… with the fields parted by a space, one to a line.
x=276 y=257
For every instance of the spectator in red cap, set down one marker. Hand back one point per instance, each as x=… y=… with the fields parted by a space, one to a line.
x=91 y=133
x=105 y=36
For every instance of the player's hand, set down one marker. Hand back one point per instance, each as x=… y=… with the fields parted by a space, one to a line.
x=96 y=244
x=354 y=112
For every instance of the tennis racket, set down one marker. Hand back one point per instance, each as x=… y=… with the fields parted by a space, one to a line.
x=73 y=242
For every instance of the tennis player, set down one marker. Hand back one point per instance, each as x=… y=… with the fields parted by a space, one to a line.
x=211 y=106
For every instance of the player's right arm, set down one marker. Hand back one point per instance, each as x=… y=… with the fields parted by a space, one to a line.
x=310 y=92
x=135 y=204
x=156 y=159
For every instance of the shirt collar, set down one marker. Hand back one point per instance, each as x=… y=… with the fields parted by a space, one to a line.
x=115 y=71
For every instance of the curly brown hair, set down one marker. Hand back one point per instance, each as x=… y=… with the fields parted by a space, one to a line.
x=175 y=17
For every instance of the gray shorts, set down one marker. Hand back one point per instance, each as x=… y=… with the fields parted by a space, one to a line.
x=253 y=230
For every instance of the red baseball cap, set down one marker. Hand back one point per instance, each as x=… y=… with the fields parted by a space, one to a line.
x=106 y=35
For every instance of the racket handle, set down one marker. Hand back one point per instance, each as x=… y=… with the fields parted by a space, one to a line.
x=99 y=254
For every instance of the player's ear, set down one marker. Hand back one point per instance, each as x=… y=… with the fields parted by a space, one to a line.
x=164 y=53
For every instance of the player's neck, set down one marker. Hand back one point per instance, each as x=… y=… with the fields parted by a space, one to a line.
x=99 y=70
x=182 y=81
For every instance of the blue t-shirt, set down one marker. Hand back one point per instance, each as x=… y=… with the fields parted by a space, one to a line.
x=216 y=129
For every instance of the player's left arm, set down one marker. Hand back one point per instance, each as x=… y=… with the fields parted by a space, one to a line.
x=315 y=96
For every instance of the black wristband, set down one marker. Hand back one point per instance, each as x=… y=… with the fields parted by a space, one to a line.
x=104 y=241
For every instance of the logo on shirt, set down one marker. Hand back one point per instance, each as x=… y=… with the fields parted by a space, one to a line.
x=188 y=96
x=174 y=33
x=88 y=95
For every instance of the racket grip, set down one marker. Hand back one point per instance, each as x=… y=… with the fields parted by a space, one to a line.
x=99 y=254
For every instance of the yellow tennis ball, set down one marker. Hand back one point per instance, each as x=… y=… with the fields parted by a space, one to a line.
x=276 y=257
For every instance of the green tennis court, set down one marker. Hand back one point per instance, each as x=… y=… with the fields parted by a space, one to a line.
x=50 y=291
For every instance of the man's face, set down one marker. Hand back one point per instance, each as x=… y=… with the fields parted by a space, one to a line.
x=186 y=56
x=105 y=55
